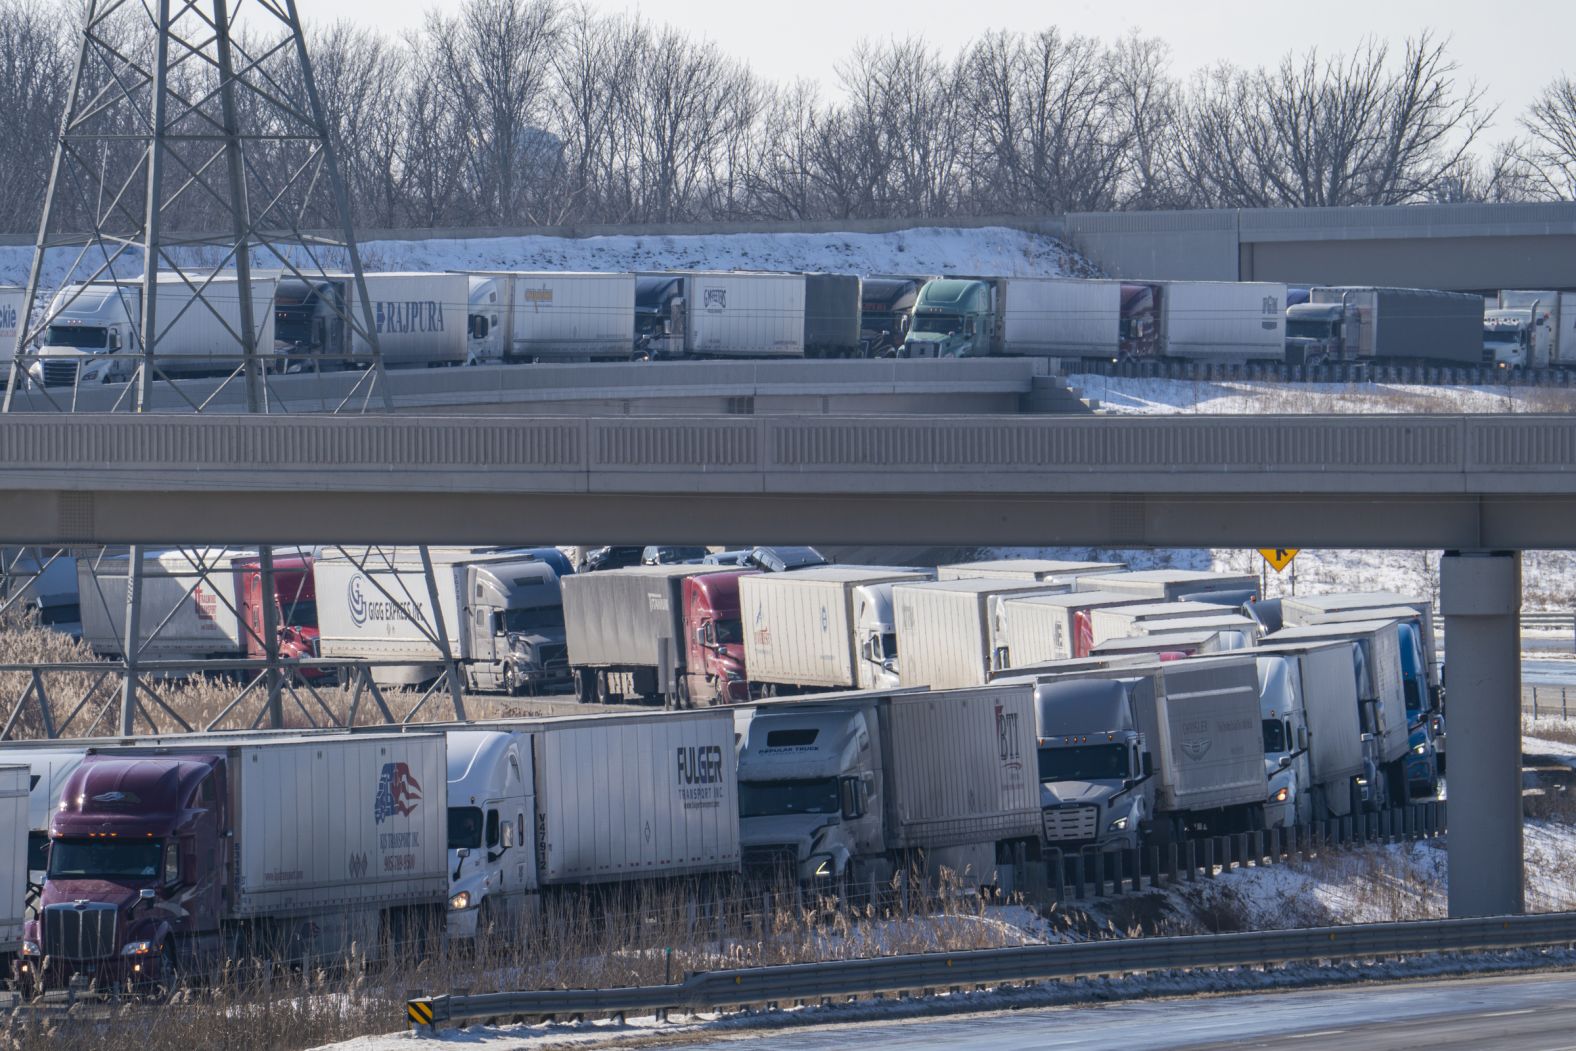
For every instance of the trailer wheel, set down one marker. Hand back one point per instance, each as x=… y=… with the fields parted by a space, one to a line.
x=602 y=694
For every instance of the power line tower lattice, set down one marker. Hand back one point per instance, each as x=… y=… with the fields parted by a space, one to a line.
x=196 y=235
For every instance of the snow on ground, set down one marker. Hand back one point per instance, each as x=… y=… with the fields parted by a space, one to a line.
x=924 y=250
x=1128 y=396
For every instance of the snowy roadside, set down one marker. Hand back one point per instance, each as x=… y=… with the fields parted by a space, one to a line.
x=1159 y=397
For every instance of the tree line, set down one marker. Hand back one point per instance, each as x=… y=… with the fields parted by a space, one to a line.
x=538 y=112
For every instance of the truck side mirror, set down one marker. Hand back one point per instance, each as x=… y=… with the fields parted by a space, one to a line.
x=852 y=805
x=1148 y=765
x=114 y=340
x=1302 y=738
x=1285 y=761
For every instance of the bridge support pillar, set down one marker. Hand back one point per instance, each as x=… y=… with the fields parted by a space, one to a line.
x=1480 y=596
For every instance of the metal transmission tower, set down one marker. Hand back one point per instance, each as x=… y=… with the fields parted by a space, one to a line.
x=193 y=159
x=193 y=174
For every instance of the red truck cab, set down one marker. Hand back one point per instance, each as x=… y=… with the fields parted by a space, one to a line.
x=295 y=603
x=136 y=876
x=714 y=670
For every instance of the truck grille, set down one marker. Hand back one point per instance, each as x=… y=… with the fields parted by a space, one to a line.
x=1071 y=823
x=84 y=931
x=766 y=860
x=59 y=373
x=554 y=656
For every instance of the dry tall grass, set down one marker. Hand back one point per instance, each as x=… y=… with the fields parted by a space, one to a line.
x=642 y=937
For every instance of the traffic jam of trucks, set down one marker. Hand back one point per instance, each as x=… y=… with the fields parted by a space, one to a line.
x=89 y=333
x=827 y=727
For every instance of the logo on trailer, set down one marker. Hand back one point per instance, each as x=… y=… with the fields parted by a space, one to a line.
x=398 y=793
x=356 y=599
x=358 y=866
x=1007 y=738
x=714 y=298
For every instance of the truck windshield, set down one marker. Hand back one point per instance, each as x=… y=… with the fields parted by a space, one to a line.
x=1297 y=328
x=300 y=613
x=768 y=798
x=1274 y=736
x=1502 y=339
x=465 y=827
x=538 y=618
x=105 y=859
x=1093 y=762
x=943 y=324
x=83 y=337
x=730 y=632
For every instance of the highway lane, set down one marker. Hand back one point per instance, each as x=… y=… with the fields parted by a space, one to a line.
x=1515 y=1013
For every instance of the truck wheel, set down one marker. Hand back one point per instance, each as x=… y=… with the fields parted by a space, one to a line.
x=682 y=697
x=602 y=695
x=511 y=681
x=585 y=685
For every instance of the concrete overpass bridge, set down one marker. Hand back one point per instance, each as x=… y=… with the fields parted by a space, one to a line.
x=1480 y=487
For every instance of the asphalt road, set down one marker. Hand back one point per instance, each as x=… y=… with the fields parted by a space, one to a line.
x=1519 y=1013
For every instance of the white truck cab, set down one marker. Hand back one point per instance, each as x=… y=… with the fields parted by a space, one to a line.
x=94 y=327
x=492 y=873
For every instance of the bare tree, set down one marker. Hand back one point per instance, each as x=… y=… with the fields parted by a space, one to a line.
x=1550 y=150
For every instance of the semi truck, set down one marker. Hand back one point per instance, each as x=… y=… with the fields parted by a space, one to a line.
x=538 y=805
x=1040 y=628
x=951 y=632
x=175 y=858
x=1227 y=321
x=1320 y=750
x=1166 y=750
x=748 y=315
x=1381 y=687
x=419 y=319
x=43 y=580
x=1385 y=326
x=1045 y=570
x=1514 y=339
x=886 y=309
x=666 y=634
x=295 y=608
x=843 y=792
x=14 y=788
x=1552 y=317
x=94 y=334
x=528 y=316
x=1170 y=585
x=1039 y=316
x=822 y=628
x=503 y=615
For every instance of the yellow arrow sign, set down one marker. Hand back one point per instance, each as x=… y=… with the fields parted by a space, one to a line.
x=1279 y=557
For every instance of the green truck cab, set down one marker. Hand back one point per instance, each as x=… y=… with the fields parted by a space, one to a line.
x=953 y=318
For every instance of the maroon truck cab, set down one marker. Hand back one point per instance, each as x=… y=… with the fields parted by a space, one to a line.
x=295 y=600
x=136 y=878
x=714 y=669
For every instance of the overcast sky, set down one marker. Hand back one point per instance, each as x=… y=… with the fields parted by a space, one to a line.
x=1511 y=47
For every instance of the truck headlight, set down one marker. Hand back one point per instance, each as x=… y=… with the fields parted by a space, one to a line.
x=462 y=900
x=1420 y=749
x=30 y=948
x=1119 y=825
x=137 y=949
x=1283 y=794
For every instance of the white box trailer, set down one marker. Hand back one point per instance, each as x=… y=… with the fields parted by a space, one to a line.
x=14 y=788
x=13 y=316
x=1169 y=585
x=562 y=316
x=809 y=628
x=1046 y=570
x=949 y=632
x=635 y=796
x=1327 y=609
x=1201 y=720
x=744 y=315
x=1189 y=643
x=1121 y=622
x=625 y=628
x=420 y=319
x=98 y=326
x=1381 y=681
x=1222 y=621
x=184 y=616
x=1060 y=317
x=1040 y=628
x=1223 y=320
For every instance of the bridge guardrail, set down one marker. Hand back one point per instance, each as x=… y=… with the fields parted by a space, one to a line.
x=798 y=983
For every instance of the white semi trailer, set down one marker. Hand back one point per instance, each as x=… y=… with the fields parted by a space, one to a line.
x=950 y=631
x=13 y=857
x=544 y=316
